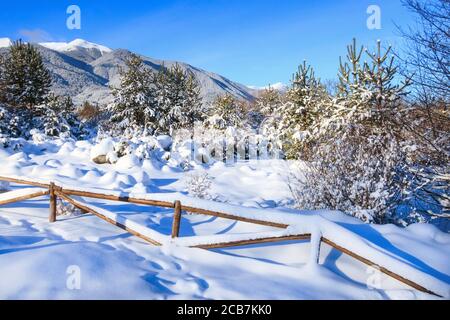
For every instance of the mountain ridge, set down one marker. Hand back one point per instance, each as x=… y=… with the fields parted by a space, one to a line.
x=86 y=71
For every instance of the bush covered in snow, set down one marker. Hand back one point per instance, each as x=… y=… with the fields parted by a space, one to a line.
x=198 y=185
x=205 y=145
x=130 y=149
x=66 y=209
x=54 y=118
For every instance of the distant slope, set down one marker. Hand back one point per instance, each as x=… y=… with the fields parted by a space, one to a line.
x=86 y=71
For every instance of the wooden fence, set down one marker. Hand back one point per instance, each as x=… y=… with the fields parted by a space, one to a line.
x=55 y=191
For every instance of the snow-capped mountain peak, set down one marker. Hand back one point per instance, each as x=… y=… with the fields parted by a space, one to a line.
x=5 y=42
x=74 y=45
x=277 y=86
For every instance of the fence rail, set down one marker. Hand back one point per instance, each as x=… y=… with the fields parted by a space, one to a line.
x=55 y=191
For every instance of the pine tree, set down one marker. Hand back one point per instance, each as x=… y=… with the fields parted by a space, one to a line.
x=160 y=102
x=14 y=122
x=2 y=80
x=178 y=99
x=226 y=111
x=194 y=102
x=302 y=109
x=351 y=73
x=26 y=81
x=368 y=94
x=134 y=100
x=263 y=112
x=380 y=77
x=268 y=101
x=57 y=116
x=358 y=159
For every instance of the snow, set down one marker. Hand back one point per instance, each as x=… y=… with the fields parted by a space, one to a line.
x=19 y=193
x=5 y=42
x=277 y=86
x=115 y=264
x=127 y=162
x=74 y=45
x=152 y=234
x=104 y=148
x=165 y=142
x=4 y=186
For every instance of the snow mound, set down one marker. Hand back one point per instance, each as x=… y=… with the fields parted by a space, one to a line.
x=165 y=142
x=127 y=162
x=103 y=152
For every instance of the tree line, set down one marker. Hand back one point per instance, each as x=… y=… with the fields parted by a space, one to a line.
x=376 y=144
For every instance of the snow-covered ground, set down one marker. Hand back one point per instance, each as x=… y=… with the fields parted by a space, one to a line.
x=82 y=256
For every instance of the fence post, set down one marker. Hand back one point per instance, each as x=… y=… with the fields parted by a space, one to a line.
x=176 y=219
x=52 y=216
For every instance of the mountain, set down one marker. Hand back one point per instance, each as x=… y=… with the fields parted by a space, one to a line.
x=75 y=45
x=86 y=71
x=5 y=42
x=276 y=86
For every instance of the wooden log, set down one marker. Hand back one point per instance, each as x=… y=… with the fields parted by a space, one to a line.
x=53 y=199
x=26 y=197
x=26 y=182
x=176 y=219
x=252 y=241
x=233 y=217
x=166 y=204
x=117 y=224
x=128 y=199
x=382 y=269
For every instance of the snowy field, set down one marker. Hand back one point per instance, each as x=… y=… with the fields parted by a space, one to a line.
x=38 y=258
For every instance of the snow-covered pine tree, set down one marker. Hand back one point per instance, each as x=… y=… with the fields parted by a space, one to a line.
x=226 y=111
x=263 y=111
x=2 y=80
x=68 y=115
x=359 y=152
x=195 y=104
x=14 y=123
x=351 y=73
x=57 y=116
x=134 y=101
x=178 y=99
x=268 y=101
x=301 y=110
x=26 y=81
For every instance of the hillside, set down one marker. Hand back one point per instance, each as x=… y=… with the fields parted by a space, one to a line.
x=86 y=70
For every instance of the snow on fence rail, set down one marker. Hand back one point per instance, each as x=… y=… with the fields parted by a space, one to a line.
x=293 y=227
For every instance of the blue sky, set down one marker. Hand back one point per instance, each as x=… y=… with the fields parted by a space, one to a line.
x=254 y=42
